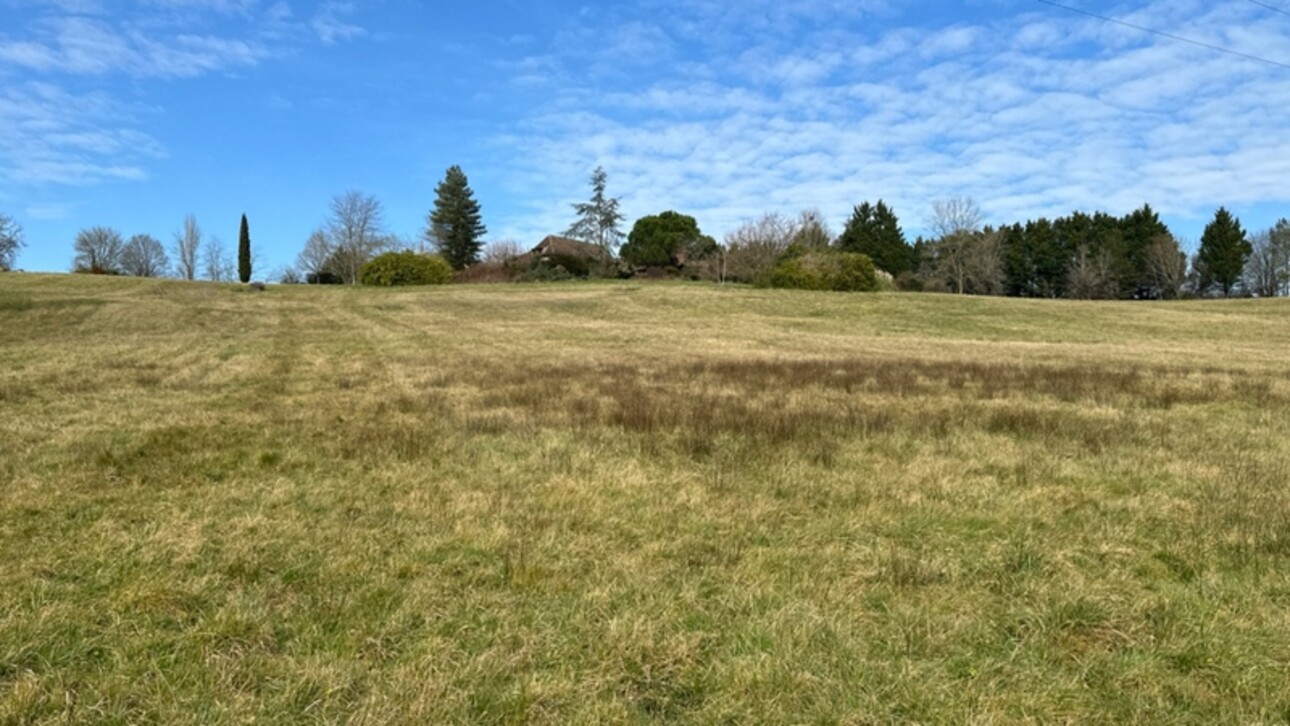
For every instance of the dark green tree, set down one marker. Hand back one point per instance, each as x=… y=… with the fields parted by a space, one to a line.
x=1034 y=259
x=244 y=252
x=455 y=226
x=875 y=231
x=1138 y=229
x=1222 y=255
x=1096 y=265
x=666 y=240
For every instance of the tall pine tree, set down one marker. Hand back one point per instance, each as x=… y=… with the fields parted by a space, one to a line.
x=598 y=219
x=455 y=226
x=873 y=230
x=1222 y=255
x=244 y=252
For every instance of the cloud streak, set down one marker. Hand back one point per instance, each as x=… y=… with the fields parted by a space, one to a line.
x=51 y=135
x=1031 y=115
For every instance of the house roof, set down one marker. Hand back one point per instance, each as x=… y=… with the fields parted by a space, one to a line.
x=557 y=245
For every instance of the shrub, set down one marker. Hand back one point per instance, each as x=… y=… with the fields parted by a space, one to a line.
x=405 y=268
x=909 y=282
x=544 y=271
x=799 y=269
x=849 y=272
x=487 y=272
x=96 y=269
x=573 y=265
x=323 y=278
x=793 y=273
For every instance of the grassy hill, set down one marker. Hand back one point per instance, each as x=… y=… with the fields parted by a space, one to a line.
x=632 y=502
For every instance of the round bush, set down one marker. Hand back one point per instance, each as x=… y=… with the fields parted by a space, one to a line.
x=825 y=270
x=850 y=272
x=405 y=268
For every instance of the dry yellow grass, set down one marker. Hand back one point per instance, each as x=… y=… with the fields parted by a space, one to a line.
x=631 y=502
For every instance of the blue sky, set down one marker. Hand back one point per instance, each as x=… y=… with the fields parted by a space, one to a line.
x=133 y=114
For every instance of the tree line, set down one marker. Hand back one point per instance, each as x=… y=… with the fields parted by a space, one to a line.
x=105 y=251
x=1081 y=255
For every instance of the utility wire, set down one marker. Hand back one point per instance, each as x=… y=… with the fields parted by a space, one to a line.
x=1170 y=36
x=1273 y=8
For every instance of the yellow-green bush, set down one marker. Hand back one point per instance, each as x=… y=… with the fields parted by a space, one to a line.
x=825 y=270
x=405 y=268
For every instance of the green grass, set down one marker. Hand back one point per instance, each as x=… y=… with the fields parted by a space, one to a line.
x=591 y=503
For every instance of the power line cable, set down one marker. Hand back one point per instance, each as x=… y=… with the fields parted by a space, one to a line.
x=1273 y=8
x=1170 y=36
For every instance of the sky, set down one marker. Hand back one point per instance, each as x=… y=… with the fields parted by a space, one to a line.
x=132 y=114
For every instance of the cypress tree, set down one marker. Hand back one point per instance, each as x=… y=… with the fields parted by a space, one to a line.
x=244 y=253
x=1223 y=252
x=875 y=231
x=455 y=226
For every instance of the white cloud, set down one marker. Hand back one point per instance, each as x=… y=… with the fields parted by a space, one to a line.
x=88 y=46
x=332 y=26
x=51 y=136
x=1035 y=115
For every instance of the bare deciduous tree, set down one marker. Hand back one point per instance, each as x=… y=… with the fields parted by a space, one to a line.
x=187 y=244
x=1091 y=275
x=963 y=259
x=966 y=263
x=316 y=255
x=752 y=251
x=1280 y=235
x=218 y=262
x=144 y=256
x=954 y=215
x=355 y=232
x=812 y=230
x=1267 y=271
x=1166 y=266
x=98 y=251
x=501 y=251
x=10 y=242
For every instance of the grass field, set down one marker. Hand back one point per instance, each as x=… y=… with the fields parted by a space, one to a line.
x=598 y=503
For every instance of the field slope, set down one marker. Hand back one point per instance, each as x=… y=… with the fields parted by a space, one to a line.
x=595 y=503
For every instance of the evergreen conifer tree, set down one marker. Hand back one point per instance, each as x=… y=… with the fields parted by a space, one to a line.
x=598 y=219
x=1222 y=255
x=244 y=252
x=873 y=230
x=455 y=226
x=1139 y=230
